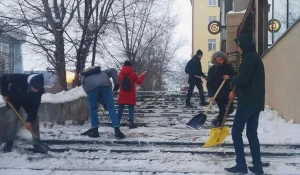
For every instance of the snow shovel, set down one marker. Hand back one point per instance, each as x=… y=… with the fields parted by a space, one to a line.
x=218 y=135
x=44 y=146
x=198 y=120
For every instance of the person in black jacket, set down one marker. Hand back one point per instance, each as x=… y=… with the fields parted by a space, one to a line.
x=23 y=90
x=194 y=69
x=250 y=92
x=221 y=70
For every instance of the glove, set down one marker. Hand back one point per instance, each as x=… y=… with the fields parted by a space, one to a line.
x=116 y=88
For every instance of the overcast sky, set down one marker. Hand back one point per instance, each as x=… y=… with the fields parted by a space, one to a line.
x=32 y=61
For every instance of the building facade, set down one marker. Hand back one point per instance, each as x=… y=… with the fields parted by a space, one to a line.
x=205 y=11
x=11 y=51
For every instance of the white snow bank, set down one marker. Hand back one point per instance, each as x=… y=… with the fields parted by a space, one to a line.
x=60 y=97
x=232 y=12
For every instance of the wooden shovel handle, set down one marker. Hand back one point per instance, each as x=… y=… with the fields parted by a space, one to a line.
x=21 y=118
x=215 y=96
x=227 y=110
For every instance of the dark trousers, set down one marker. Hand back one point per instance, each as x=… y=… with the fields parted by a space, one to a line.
x=222 y=103
x=250 y=117
x=190 y=93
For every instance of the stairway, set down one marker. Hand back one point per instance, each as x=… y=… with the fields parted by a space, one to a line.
x=161 y=144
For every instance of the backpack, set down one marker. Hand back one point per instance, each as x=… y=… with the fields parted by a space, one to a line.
x=188 y=68
x=126 y=85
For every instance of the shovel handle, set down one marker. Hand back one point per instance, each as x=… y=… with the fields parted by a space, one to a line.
x=21 y=118
x=215 y=96
x=227 y=110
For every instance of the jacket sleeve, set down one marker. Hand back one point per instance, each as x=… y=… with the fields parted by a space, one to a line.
x=245 y=73
x=112 y=73
x=210 y=87
x=140 y=79
x=201 y=72
x=4 y=84
x=34 y=105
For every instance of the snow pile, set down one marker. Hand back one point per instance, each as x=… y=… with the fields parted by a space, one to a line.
x=273 y=128
x=64 y=96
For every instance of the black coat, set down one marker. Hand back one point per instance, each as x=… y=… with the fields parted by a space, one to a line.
x=193 y=68
x=15 y=86
x=250 y=82
x=215 y=79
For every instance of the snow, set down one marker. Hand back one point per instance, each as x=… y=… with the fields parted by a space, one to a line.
x=232 y=12
x=272 y=130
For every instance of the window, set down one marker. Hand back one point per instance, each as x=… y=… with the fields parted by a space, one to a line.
x=212 y=18
x=212 y=2
x=212 y=44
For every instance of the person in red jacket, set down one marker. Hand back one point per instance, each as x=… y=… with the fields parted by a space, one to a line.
x=128 y=96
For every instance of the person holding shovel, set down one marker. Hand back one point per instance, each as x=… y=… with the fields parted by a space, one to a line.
x=221 y=70
x=22 y=90
x=250 y=92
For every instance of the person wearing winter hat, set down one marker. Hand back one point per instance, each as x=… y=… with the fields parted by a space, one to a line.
x=22 y=90
x=221 y=70
x=128 y=97
x=194 y=69
x=250 y=92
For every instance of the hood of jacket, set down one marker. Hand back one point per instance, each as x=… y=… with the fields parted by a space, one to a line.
x=126 y=70
x=245 y=41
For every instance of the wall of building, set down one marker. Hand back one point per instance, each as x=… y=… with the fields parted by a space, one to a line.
x=240 y=5
x=201 y=12
x=281 y=63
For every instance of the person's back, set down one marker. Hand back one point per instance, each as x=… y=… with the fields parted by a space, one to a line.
x=128 y=96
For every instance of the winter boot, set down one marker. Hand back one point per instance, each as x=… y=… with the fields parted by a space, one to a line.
x=119 y=134
x=93 y=132
x=131 y=124
x=39 y=148
x=215 y=122
x=257 y=170
x=239 y=168
x=7 y=147
x=204 y=103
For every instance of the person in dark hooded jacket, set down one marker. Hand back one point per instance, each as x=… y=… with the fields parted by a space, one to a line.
x=250 y=92
x=128 y=97
x=221 y=70
x=23 y=90
x=194 y=69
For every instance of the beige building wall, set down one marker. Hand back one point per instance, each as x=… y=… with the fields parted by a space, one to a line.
x=282 y=75
x=232 y=24
x=201 y=13
x=240 y=5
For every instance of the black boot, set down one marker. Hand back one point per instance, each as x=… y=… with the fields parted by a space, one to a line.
x=215 y=122
x=39 y=148
x=204 y=103
x=131 y=124
x=7 y=147
x=257 y=170
x=92 y=132
x=118 y=133
x=239 y=168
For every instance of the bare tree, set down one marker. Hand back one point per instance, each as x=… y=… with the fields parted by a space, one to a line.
x=46 y=22
x=93 y=22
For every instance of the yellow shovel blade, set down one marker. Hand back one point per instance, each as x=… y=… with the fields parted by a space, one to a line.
x=217 y=136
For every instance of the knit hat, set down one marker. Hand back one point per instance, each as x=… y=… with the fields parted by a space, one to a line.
x=199 y=52
x=36 y=81
x=127 y=63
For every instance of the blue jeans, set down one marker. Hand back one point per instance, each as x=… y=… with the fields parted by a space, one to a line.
x=93 y=96
x=250 y=117
x=130 y=111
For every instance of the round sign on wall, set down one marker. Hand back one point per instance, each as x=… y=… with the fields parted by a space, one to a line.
x=214 y=27
x=274 y=25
